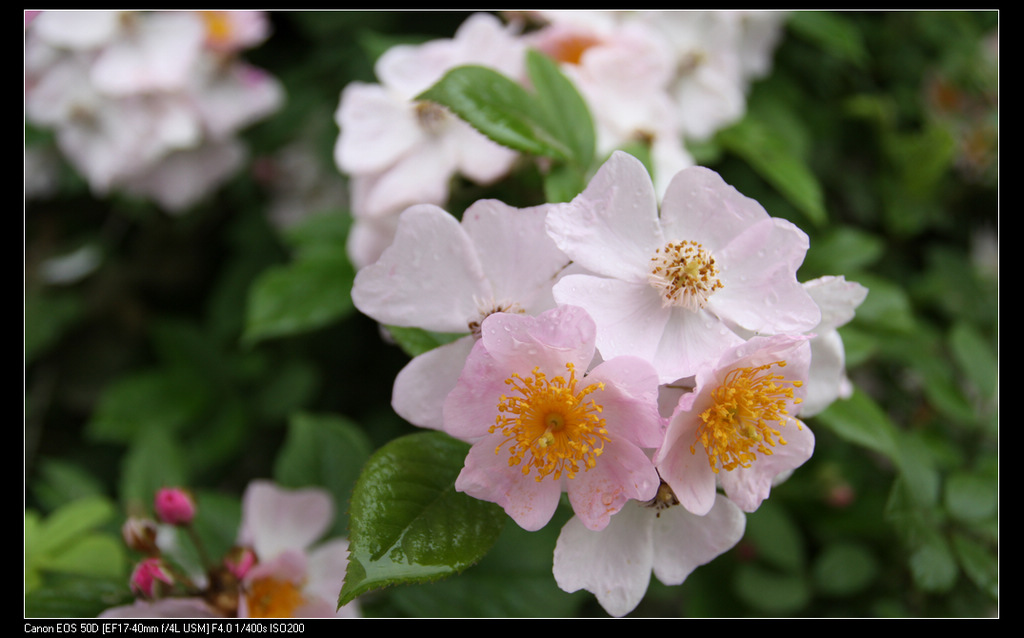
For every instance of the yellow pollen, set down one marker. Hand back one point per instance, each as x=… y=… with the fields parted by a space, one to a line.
x=570 y=49
x=550 y=426
x=273 y=598
x=685 y=274
x=739 y=424
x=218 y=27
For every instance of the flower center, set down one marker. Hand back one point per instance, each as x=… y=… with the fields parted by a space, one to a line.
x=431 y=116
x=739 y=423
x=273 y=598
x=664 y=499
x=488 y=309
x=685 y=274
x=551 y=427
x=218 y=28
x=570 y=48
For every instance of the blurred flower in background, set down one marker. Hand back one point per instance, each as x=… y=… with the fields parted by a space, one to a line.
x=148 y=103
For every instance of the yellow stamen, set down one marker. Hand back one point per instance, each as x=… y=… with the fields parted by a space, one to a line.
x=218 y=27
x=551 y=428
x=273 y=598
x=738 y=425
x=685 y=273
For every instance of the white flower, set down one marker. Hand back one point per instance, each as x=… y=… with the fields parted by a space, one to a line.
x=827 y=381
x=668 y=288
x=615 y=563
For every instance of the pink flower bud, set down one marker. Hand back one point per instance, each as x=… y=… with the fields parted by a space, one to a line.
x=174 y=506
x=147 y=575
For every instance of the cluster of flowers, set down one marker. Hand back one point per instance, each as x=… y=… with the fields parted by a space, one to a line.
x=656 y=78
x=148 y=102
x=637 y=356
x=273 y=571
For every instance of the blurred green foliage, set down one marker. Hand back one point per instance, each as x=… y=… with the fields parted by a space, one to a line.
x=211 y=349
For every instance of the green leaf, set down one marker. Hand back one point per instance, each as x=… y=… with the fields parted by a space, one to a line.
x=154 y=460
x=832 y=32
x=775 y=537
x=416 y=341
x=564 y=110
x=768 y=152
x=769 y=591
x=499 y=108
x=47 y=317
x=979 y=563
x=159 y=399
x=512 y=581
x=302 y=296
x=65 y=525
x=976 y=358
x=408 y=524
x=76 y=597
x=323 y=450
x=861 y=421
x=972 y=497
x=844 y=569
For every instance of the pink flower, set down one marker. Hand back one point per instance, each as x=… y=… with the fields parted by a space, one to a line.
x=542 y=422
x=669 y=288
x=738 y=427
x=147 y=575
x=174 y=506
x=445 y=276
x=292 y=578
x=615 y=563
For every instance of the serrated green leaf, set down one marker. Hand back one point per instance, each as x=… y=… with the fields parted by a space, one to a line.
x=408 y=524
x=304 y=295
x=499 y=108
x=564 y=110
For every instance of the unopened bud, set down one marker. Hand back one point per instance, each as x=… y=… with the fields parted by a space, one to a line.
x=174 y=506
x=140 y=535
x=147 y=576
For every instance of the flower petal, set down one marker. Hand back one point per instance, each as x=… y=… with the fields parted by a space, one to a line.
x=488 y=477
x=612 y=227
x=422 y=386
x=684 y=541
x=427 y=278
x=275 y=519
x=614 y=563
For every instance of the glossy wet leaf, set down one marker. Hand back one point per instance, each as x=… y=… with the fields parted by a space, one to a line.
x=408 y=524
